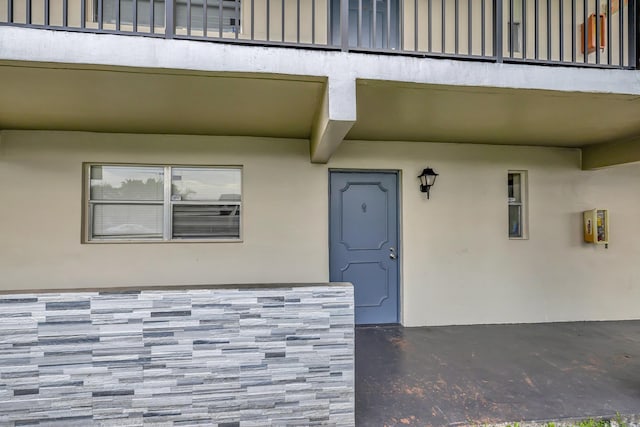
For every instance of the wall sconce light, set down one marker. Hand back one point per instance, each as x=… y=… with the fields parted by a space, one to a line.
x=427 y=179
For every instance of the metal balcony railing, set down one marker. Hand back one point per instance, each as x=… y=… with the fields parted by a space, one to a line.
x=590 y=33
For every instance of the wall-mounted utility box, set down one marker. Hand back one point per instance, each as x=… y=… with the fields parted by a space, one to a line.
x=596 y=226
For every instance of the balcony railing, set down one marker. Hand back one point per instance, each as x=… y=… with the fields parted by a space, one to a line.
x=590 y=33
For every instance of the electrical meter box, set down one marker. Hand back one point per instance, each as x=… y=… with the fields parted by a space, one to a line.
x=596 y=226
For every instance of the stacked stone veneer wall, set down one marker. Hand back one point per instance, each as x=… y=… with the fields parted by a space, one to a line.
x=251 y=356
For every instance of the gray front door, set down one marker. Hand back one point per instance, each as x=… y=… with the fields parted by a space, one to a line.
x=363 y=241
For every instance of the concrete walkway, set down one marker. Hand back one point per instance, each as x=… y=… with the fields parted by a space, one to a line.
x=475 y=375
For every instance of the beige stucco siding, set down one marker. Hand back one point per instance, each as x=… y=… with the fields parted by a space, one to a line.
x=41 y=172
x=458 y=265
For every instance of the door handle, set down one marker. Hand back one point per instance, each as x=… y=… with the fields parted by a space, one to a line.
x=392 y=253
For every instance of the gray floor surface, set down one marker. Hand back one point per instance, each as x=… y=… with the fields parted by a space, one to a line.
x=475 y=375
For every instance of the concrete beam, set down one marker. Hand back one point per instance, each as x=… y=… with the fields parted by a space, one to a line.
x=336 y=116
x=611 y=153
x=27 y=44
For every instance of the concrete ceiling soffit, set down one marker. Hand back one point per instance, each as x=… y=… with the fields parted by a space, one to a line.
x=439 y=113
x=138 y=101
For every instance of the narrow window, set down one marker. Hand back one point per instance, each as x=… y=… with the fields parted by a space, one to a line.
x=517 y=201
x=163 y=203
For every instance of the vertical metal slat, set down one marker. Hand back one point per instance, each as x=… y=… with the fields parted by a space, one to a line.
x=282 y=15
x=170 y=23
x=548 y=16
x=536 y=30
x=117 y=2
x=443 y=16
x=621 y=34
x=135 y=16
x=344 y=25
x=188 y=16
x=83 y=13
x=524 y=29
x=561 y=30
x=430 y=22
x=10 y=11
x=99 y=13
x=152 y=20
x=469 y=27
x=633 y=47
x=483 y=27
x=585 y=41
x=253 y=18
x=388 y=38
x=608 y=40
x=598 y=38
x=220 y=16
x=374 y=32
x=65 y=13
x=415 y=25
x=329 y=21
x=510 y=28
x=359 y=24
x=236 y=15
x=46 y=12
x=573 y=30
x=456 y=26
x=313 y=21
x=400 y=31
x=28 y=11
x=298 y=21
x=204 y=17
x=268 y=19
x=497 y=25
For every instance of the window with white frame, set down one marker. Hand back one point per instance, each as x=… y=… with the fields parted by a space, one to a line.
x=517 y=201
x=163 y=203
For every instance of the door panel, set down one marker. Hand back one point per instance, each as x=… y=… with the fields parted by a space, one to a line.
x=363 y=241
x=372 y=200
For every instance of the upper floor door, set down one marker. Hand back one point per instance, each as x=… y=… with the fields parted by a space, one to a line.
x=379 y=24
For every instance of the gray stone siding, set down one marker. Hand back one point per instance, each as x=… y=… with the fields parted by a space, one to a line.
x=250 y=356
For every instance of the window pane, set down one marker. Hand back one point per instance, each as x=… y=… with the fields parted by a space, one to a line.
x=515 y=221
x=514 y=186
x=127 y=183
x=127 y=221
x=206 y=221
x=205 y=184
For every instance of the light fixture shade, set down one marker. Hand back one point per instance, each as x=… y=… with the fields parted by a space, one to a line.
x=427 y=179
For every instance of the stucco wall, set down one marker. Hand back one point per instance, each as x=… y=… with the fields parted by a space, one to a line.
x=41 y=172
x=458 y=265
